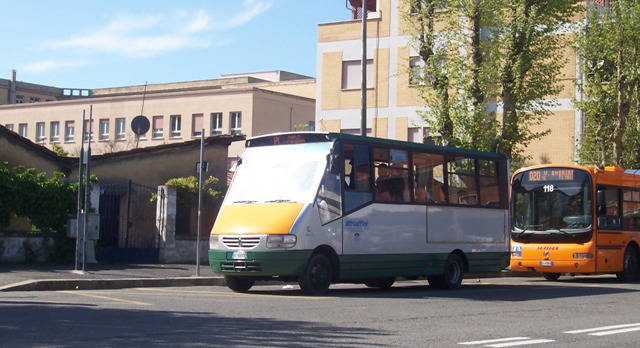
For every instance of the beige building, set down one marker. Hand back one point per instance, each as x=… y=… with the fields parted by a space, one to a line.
x=392 y=102
x=249 y=104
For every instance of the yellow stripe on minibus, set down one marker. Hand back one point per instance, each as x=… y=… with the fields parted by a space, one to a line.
x=264 y=218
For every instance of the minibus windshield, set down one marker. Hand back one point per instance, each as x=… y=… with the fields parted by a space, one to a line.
x=281 y=173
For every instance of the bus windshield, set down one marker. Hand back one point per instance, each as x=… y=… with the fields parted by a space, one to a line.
x=281 y=173
x=552 y=205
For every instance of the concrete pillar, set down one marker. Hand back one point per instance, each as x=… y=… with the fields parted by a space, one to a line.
x=166 y=222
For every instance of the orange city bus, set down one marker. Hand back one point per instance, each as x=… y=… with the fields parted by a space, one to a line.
x=573 y=219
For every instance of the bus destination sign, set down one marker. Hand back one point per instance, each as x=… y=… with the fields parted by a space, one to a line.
x=287 y=139
x=551 y=174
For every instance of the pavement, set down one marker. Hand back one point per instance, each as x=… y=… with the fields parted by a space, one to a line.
x=43 y=277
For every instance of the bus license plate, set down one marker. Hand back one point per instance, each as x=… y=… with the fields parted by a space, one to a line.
x=546 y=263
x=239 y=255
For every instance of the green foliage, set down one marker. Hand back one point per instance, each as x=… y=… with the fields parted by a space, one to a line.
x=187 y=189
x=59 y=150
x=47 y=202
x=608 y=45
x=488 y=50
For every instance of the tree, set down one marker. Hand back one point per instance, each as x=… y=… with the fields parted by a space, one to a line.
x=489 y=50
x=609 y=47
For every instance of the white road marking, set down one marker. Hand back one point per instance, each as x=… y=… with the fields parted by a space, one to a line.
x=495 y=341
x=603 y=328
x=519 y=343
x=612 y=332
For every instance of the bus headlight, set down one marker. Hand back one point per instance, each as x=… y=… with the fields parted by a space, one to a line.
x=582 y=256
x=213 y=241
x=281 y=240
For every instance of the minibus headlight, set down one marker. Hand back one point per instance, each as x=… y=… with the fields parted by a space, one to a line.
x=582 y=256
x=213 y=241
x=281 y=240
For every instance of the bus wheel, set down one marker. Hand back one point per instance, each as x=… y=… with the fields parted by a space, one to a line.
x=551 y=276
x=382 y=283
x=630 y=266
x=238 y=284
x=453 y=272
x=452 y=276
x=317 y=276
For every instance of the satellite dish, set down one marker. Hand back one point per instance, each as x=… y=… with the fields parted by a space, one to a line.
x=140 y=125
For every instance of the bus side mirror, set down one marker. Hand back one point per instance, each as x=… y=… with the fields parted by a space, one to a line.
x=601 y=206
x=333 y=163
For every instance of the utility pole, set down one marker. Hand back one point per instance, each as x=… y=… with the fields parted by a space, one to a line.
x=199 y=202
x=87 y=191
x=363 y=111
x=80 y=173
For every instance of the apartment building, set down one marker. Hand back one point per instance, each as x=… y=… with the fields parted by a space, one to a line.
x=249 y=104
x=392 y=101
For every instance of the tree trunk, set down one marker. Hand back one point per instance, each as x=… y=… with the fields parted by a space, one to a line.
x=623 y=111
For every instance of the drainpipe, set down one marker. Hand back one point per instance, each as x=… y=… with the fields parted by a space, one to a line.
x=12 y=87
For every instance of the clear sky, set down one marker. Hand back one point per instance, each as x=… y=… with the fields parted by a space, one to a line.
x=94 y=44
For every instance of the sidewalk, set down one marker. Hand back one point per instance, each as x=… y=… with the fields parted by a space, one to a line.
x=19 y=277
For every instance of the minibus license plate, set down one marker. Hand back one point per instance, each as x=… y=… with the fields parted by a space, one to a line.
x=239 y=255
x=546 y=263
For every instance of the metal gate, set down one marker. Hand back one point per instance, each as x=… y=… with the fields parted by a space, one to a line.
x=128 y=232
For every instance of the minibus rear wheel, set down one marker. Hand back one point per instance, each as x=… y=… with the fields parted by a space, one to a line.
x=238 y=284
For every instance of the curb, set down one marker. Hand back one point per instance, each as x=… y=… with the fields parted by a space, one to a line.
x=100 y=284
x=122 y=283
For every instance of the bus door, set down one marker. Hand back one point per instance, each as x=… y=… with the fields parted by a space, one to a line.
x=610 y=246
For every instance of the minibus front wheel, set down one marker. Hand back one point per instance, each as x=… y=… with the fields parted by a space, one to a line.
x=238 y=284
x=316 y=278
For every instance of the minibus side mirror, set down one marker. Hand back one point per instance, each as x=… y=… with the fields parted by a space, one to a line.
x=333 y=163
x=601 y=198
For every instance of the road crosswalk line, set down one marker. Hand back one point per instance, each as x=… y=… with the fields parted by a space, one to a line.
x=519 y=343
x=494 y=340
x=602 y=328
x=612 y=332
x=507 y=342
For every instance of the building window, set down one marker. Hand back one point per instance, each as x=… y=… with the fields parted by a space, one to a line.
x=157 y=131
x=69 y=130
x=87 y=131
x=40 y=132
x=236 y=122
x=19 y=99
x=9 y=126
x=120 y=128
x=104 y=129
x=196 y=125
x=54 y=133
x=176 y=126
x=416 y=70
x=22 y=129
x=352 y=74
x=34 y=99
x=216 y=123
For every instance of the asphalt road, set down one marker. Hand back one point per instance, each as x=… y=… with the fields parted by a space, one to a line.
x=505 y=312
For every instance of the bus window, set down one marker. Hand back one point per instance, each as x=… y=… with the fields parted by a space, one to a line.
x=462 y=181
x=429 y=178
x=608 y=208
x=391 y=175
x=489 y=190
x=631 y=210
x=357 y=169
x=329 y=200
